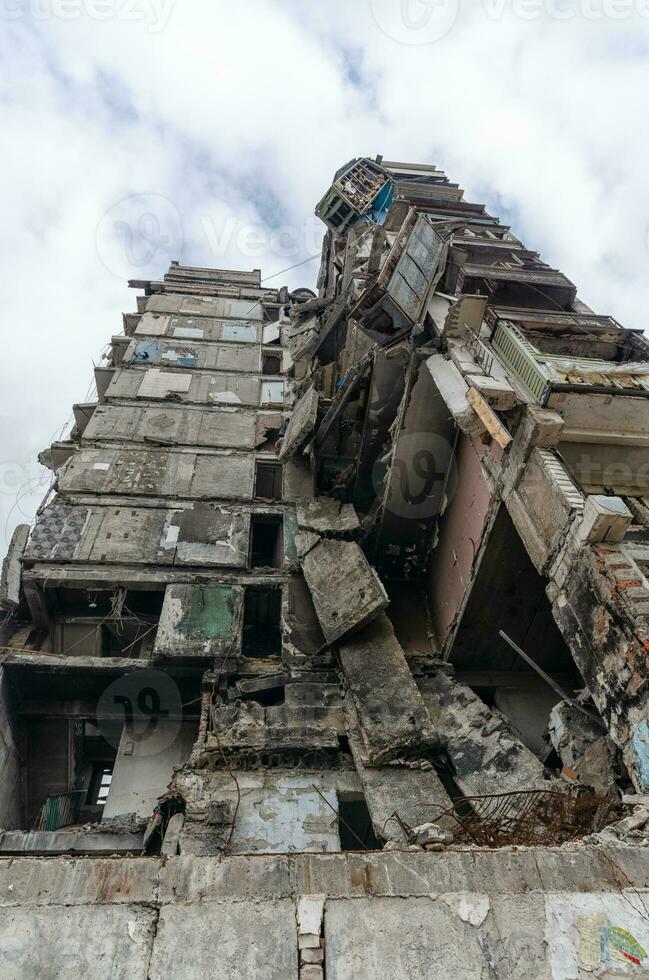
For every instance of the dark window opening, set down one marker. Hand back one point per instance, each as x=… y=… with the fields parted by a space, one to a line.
x=271 y=364
x=268 y=481
x=262 y=635
x=271 y=314
x=266 y=542
x=355 y=824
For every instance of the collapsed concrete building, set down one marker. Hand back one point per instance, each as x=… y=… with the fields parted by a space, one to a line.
x=326 y=654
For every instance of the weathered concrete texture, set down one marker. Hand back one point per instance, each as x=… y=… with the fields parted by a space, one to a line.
x=571 y=732
x=66 y=842
x=394 y=720
x=197 y=387
x=600 y=609
x=10 y=577
x=247 y=725
x=200 y=534
x=10 y=761
x=227 y=476
x=417 y=795
x=227 y=942
x=279 y=812
x=301 y=425
x=94 y=942
x=543 y=506
x=485 y=754
x=453 y=389
x=219 y=428
x=199 y=621
x=347 y=593
x=327 y=516
x=445 y=937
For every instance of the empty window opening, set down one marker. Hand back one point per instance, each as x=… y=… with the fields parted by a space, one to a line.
x=271 y=364
x=99 y=786
x=69 y=765
x=262 y=635
x=268 y=481
x=266 y=542
x=355 y=824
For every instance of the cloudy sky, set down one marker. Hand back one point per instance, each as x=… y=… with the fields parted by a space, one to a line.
x=137 y=131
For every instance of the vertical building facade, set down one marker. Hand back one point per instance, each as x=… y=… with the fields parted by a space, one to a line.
x=326 y=654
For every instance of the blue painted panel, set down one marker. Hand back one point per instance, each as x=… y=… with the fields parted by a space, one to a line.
x=640 y=742
x=146 y=352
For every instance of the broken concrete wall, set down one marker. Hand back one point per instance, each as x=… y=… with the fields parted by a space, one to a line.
x=144 y=767
x=279 y=812
x=226 y=476
x=394 y=721
x=468 y=499
x=485 y=754
x=11 y=566
x=10 y=759
x=199 y=621
x=516 y=914
x=347 y=593
x=602 y=608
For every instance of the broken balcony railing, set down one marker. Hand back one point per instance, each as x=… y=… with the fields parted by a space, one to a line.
x=524 y=818
x=61 y=810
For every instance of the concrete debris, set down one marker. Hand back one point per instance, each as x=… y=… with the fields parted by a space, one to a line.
x=346 y=591
x=261 y=612
x=10 y=578
x=327 y=516
x=571 y=732
x=393 y=717
x=431 y=837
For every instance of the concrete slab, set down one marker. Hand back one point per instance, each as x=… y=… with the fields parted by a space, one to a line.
x=229 y=941
x=96 y=943
x=347 y=593
x=393 y=717
x=420 y=938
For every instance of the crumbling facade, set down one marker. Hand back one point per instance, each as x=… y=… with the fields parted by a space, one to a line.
x=326 y=654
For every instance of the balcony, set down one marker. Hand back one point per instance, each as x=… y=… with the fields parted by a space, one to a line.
x=534 y=286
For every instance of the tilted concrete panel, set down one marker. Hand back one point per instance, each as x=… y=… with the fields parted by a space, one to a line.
x=199 y=621
x=347 y=593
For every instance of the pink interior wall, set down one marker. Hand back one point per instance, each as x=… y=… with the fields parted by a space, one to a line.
x=460 y=531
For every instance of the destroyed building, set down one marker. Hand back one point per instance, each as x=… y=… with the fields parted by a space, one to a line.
x=326 y=653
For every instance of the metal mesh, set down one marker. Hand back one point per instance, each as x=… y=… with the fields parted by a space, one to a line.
x=528 y=817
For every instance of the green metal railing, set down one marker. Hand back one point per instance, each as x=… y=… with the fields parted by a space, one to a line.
x=59 y=811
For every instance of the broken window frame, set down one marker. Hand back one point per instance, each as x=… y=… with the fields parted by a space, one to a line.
x=276 y=479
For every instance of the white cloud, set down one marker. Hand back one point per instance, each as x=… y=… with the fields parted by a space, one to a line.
x=233 y=118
